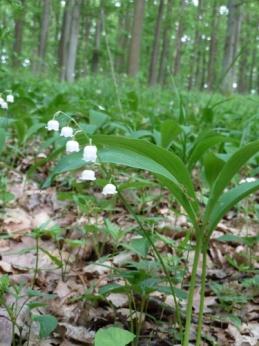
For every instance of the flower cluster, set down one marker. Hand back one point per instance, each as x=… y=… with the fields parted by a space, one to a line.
x=89 y=154
x=247 y=180
x=4 y=103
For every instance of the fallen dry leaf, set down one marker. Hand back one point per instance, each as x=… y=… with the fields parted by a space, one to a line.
x=17 y=222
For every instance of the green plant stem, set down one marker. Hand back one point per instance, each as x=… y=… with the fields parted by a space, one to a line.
x=202 y=296
x=36 y=269
x=159 y=257
x=191 y=291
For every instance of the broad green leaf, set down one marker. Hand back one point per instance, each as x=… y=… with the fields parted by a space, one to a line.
x=231 y=167
x=97 y=118
x=202 y=144
x=165 y=165
x=169 y=131
x=113 y=336
x=172 y=166
x=48 y=324
x=228 y=200
x=212 y=166
x=139 y=246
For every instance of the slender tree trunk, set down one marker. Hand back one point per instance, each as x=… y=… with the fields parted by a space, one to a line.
x=213 y=46
x=73 y=41
x=231 y=43
x=136 y=33
x=97 y=44
x=64 y=39
x=245 y=41
x=69 y=40
x=165 y=44
x=178 y=45
x=153 y=68
x=44 y=26
x=124 y=22
x=18 y=35
x=196 y=54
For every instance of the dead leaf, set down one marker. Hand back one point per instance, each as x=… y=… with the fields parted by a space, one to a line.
x=80 y=334
x=119 y=300
x=5 y=267
x=5 y=329
x=17 y=222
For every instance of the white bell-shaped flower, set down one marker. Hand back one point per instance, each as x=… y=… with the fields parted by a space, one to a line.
x=1 y=101
x=53 y=125
x=87 y=175
x=66 y=131
x=248 y=180
x=10 y=98
x=90 y=153
x=72 y=146
x=109 y=189
x=4 y=105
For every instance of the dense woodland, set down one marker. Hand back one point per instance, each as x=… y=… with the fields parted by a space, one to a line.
x=195 y=42
x=129 y=172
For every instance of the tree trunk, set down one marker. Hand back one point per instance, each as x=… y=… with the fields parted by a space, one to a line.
x=73 y=41
x=165 y=44
x=153 y=68
x=136 y=33
x=196 y=54
x=69 y=40
x=18 y=34
x=64 y=39
x=44 y=26
x=231 y=44
x=213 y=46
x=97 y=43
x=124 y=24
x=178 y=45
x=245 y=40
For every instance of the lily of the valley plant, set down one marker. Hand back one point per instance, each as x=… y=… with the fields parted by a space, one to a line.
x=174 y=174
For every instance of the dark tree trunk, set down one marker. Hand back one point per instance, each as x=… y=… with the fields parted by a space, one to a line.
x=153 y=68
x=166 y=42
x=136 y=34
x=44 y=26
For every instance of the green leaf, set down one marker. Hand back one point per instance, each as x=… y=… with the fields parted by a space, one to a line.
x=231 y=167
x=53 y=258
x=2 y=139
x=139 y=246
x=228 y=200
x=142 y=154
x=48 y=324
x=113 y=336
x=169 y=131
x=202 y=144
x=212 y=167
x=67 y=163
x=97 y=118
x=168 y=167
x=32 y=130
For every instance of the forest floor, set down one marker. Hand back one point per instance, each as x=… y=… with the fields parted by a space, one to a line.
x=73 y=274
x=73 y=261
